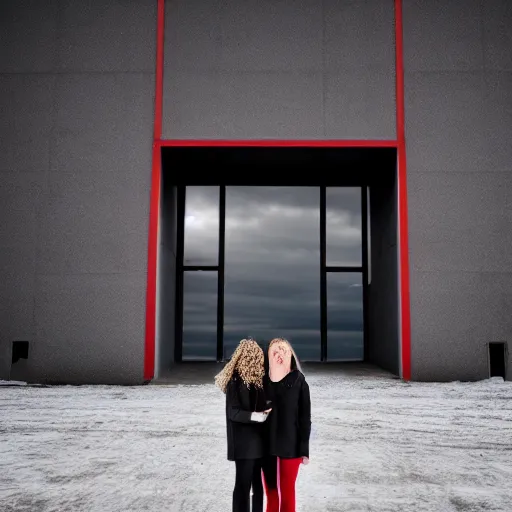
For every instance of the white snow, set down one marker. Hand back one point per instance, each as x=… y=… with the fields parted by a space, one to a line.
x=378 y=444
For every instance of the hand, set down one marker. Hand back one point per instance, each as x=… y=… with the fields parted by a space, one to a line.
x=305 y=461
x=267 y=411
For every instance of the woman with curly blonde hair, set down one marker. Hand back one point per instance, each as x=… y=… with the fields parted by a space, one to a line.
x=246 y=410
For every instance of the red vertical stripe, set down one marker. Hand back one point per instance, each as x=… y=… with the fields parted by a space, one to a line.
x=402 y=197
x=149 y=352
x=154 y=206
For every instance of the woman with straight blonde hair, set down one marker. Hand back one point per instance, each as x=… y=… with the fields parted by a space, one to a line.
x=246 y=410
x=289 y=425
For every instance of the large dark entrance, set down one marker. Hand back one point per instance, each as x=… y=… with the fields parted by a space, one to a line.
x=275 y=242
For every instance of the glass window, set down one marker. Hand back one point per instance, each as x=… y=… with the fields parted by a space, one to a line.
x=345 y=323
x=201 y=245
x=343 y=227
x=199 y=315
x=272 y=267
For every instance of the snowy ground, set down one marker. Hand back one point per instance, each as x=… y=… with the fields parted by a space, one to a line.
x=378 y=445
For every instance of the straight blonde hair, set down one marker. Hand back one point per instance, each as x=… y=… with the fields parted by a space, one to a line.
x=294 y=355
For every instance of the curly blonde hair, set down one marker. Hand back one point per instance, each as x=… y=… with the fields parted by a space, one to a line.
x=248 y=361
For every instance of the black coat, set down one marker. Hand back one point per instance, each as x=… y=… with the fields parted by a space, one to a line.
x=289 y=423
x=246 y=438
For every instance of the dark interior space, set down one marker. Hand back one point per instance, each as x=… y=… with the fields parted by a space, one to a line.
x=166 y=276
x=19 y=350
x=498 y=360
x=340 y=174
x=19 y=360
x=383 y=278
x=278 y=166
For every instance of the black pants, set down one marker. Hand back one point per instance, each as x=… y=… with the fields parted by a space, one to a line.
x=248 y=474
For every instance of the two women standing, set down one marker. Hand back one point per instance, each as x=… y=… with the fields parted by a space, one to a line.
x=268 y=420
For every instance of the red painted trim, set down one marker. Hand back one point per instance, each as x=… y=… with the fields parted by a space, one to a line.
x=405 y=305
x=154 y=205
x=281 y=143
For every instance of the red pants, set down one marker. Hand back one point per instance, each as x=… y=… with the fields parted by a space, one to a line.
x=279 y=476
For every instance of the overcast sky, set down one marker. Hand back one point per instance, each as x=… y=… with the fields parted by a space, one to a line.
x=272 y=269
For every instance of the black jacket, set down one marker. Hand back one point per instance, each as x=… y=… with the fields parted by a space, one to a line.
x=289 y=423
x=245 y=437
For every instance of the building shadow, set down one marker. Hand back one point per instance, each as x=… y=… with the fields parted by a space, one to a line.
x=198 y=373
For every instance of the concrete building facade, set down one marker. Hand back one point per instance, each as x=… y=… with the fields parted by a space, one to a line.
x=111 y=111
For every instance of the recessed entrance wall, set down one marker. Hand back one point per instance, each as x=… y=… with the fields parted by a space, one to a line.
x=263 y=252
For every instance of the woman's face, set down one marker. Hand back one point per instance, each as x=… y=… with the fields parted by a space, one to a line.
x=280 y=354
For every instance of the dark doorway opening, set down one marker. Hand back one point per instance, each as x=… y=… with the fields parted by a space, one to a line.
x=498 y=359
x=249 y=203
x=19 y=350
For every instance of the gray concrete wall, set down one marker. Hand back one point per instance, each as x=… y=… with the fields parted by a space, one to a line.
x=383 y=313
x=290 y=69
x=76 y=96
x=458 y=85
